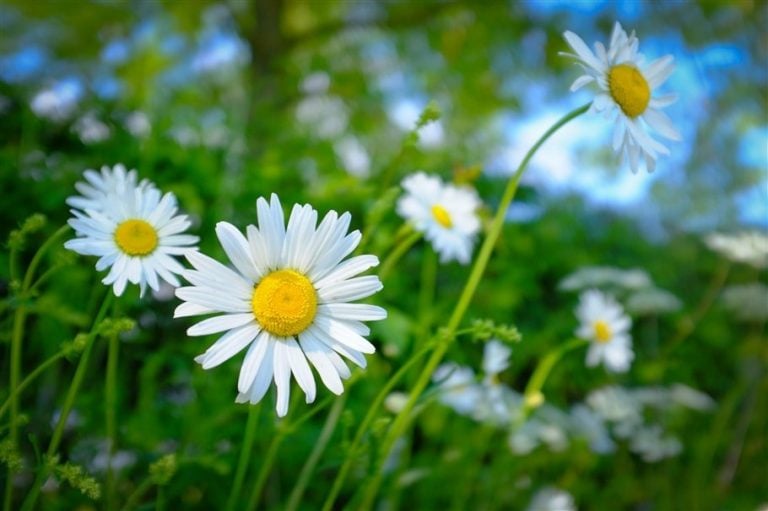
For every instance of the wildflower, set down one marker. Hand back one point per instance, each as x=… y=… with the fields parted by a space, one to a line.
x=604 y=322
x=132 y=229
x=495 y=358
x=288 y=284
x=458 y=388
x=627 y=92
x=446 y=214
x=552 y=499
x=750 y=247
x=100 y=185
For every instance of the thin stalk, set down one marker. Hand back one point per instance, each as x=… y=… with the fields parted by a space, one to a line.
x=133 y=498
x=317 y=451
x=402 y=419
x=364 y=425
x=69 y=401
x=397 y=253
x=16 y=342
x=245 y=456
x=532 y=394
x=30 y=378
x=110 y=401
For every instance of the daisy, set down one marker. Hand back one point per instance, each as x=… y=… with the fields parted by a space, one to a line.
x=288 y=300
x=446 y=214
x=99 y=185
x=604 y=322
x=134 y=232
x=627 y=86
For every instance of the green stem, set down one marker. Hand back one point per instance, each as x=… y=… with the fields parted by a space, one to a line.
x=133 y=498
x=399 y=251
x=30 y=378
x=364 y=425
x=401 y=421
x=110 y=401
x=29 y=275
x=532 y=396
x=317 y=451
x=245 y=455
x=69 y=401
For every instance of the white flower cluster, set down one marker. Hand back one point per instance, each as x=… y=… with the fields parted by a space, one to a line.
x=745 y=247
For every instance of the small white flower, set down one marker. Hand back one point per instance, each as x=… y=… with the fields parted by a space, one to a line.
x=287 y=300
x=100 y=185
x=604 y=322
x=495 y=357
x=627 y=86
x=552 y=499
x=749 y=247
x=134 y=232
x=446 y=214
x=458 y=388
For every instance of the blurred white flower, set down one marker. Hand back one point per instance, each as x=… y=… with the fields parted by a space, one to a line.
x=747 y=302
x=653 y=445
x=91 y=130
x=458 y=387
x=353 y=156
x=495 y=357
x=325 y=116
x=587 y=424
x=652 y=301
x=551 y=499
x=57 y=102
x=627 y=86
x=604 y=322
x=691 y=398
x=137 y=124
x=749 y=247
x=604 y=276
x=446 y=214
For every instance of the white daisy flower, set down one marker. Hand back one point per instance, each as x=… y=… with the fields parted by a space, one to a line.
x=135 y=233
x=495 y=358
x=287 y=300
x=99 y=185
x=628 y=85
x=445 y=213
x=604 y=322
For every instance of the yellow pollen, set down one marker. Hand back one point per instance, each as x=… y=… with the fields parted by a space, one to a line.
x=136 y=237
x=284 y=303
x=603 y=332
x=441 y=216
x=629 y=89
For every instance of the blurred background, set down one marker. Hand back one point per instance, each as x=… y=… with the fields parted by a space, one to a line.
x=224 y=101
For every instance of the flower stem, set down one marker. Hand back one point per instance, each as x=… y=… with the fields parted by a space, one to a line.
x=398 y=252
x=16 y=343
x=69 y=401
x=110 y=401
x=532 y=396
x=401 y=421
x=317 y=451
x=30 y=378
x=365 y=424
x=245 y=455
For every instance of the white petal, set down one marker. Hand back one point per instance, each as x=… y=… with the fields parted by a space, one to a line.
x=187 y=309
x=264 y=374
x=300 y=369
x=317 y=353
x=272 y=228
x=659 y=70
x=660 y=122
x=581 y=82
x=347 y=269
x=357 y=311
x=236 y=246
x=220 y=324
x=228 y=345
x=254 y=359
x=216 y=301
x=342 y=333
x=353 y=355
x=583 y=51
x=350 y=290
x=282 y=370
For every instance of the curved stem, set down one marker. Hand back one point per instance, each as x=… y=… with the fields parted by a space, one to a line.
x=133 y=498
x=364 y=425
x=397 y=253
x=110 y=402
x=317 y=451
x=401 y=421
x=69 y=401
x=245 y=455
x=532 y=396
x=30 y=378
x=33 y=264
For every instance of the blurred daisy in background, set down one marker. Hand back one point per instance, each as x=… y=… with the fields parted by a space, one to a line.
x=446 y=214
x=627 y=87
x=552 y=499
x=288 y=300
x=100 y=185
x=131 y=228
x=750 y=247
x=604 y=322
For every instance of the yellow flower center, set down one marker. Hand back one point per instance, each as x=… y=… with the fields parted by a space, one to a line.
x=284 y=303
x=629 y=89
x=136 y=237
x=603 y=332
x=441 y=216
